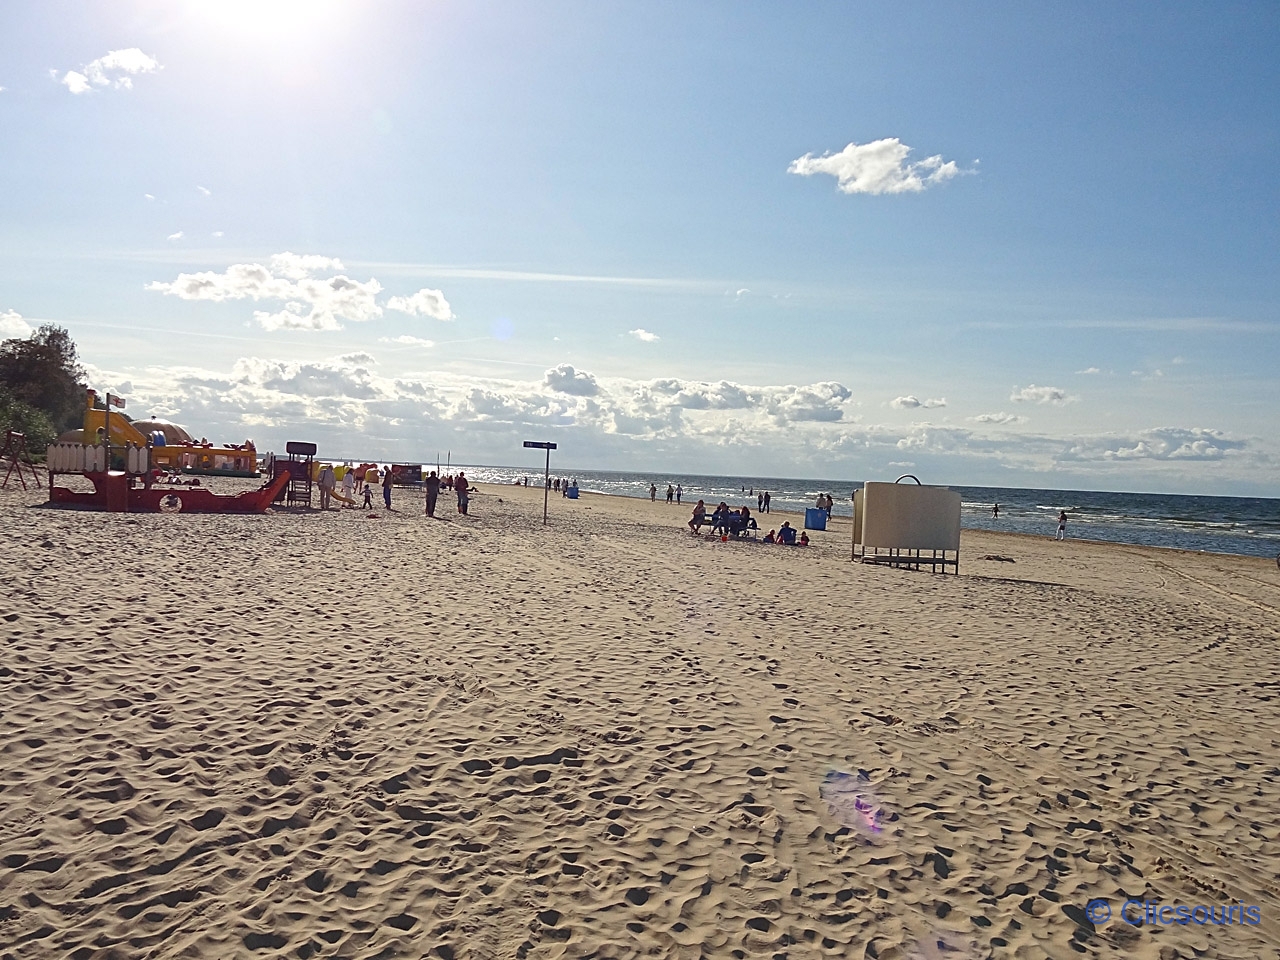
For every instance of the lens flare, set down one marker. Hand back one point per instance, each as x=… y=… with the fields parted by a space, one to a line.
x=853 y=803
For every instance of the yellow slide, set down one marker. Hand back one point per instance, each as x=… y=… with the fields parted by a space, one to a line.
x=347 y=500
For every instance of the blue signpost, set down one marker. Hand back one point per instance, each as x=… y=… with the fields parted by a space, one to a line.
x=546 y=478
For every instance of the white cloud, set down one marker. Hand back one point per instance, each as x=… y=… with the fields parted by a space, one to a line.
x=876 y=168
x=216 y=233
x=1034 y=394
x=1160 y=443
x=642 y=334
x=12 y=326
x=408 y=341
x=309 y=303
x=115 y=69
x=148 y=196
x=174 y=236
x=1089 y=370
x=425 y=303
x=628 y=423
x=205 y=190
x=295 y=266
x=565 y=379
x=998 y=418
x=76 y=82
x=910 y=402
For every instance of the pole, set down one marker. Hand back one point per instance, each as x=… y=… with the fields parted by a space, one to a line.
x=546 y=487
x=106 y=432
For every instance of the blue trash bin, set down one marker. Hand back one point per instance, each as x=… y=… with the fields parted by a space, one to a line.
x=815 y=519
x=572 y=493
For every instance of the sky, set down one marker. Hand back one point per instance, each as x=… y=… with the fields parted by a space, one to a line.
x=988 y=244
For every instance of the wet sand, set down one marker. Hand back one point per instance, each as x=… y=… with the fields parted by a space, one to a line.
x=337 y=735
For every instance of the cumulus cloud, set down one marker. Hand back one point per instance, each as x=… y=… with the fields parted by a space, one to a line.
x=1034 y=394
x=1089 y=370
x=116 y=69
x=12 y=326
x=308 y=302
x=820 y=401
x=642 y=334
x=998 y=418
x=347 y=403
x=424 y=303
x=295 y=266
x=1161 y=443
x=565 y=379
x=876 y=168
x=910 y=402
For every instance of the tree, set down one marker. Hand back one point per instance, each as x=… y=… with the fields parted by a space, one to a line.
x=24 y=418
x=44 y=372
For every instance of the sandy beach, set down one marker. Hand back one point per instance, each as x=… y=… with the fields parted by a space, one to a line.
x=336 y=735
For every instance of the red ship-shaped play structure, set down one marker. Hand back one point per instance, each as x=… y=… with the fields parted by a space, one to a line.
x=131 y=486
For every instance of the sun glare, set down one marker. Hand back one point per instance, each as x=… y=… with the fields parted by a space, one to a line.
x=273 y=21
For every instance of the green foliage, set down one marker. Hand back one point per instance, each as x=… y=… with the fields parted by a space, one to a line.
x=24 y=418
x=43 y=372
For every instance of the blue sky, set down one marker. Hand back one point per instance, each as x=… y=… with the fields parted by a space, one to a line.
x=1019 y=244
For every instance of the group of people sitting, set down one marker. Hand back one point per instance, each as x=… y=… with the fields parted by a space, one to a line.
x=729 y=522
x=723 y=520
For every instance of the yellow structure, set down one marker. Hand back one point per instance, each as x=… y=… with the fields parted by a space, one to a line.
x=198 y=458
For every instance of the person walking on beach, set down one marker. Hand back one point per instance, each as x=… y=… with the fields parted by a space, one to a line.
x=760 y=501
x=327 y=482
x=1062 y=525
x=765 y=505
x=386 y=487
x=461 y=488
x=432 y=483
x=349 y=486
x=679 y=493
x=671 y=493
x=653 y=493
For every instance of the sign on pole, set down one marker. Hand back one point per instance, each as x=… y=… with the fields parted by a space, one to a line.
x=546 y=478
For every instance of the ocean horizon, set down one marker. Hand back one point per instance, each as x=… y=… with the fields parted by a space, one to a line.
x=1243 y=526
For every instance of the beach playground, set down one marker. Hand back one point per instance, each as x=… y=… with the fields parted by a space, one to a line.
x=308 y=734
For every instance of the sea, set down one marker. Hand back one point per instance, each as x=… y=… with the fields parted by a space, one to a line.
x=1246 y=526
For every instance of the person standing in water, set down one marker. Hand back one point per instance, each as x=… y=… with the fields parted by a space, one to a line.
x=995 y=511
